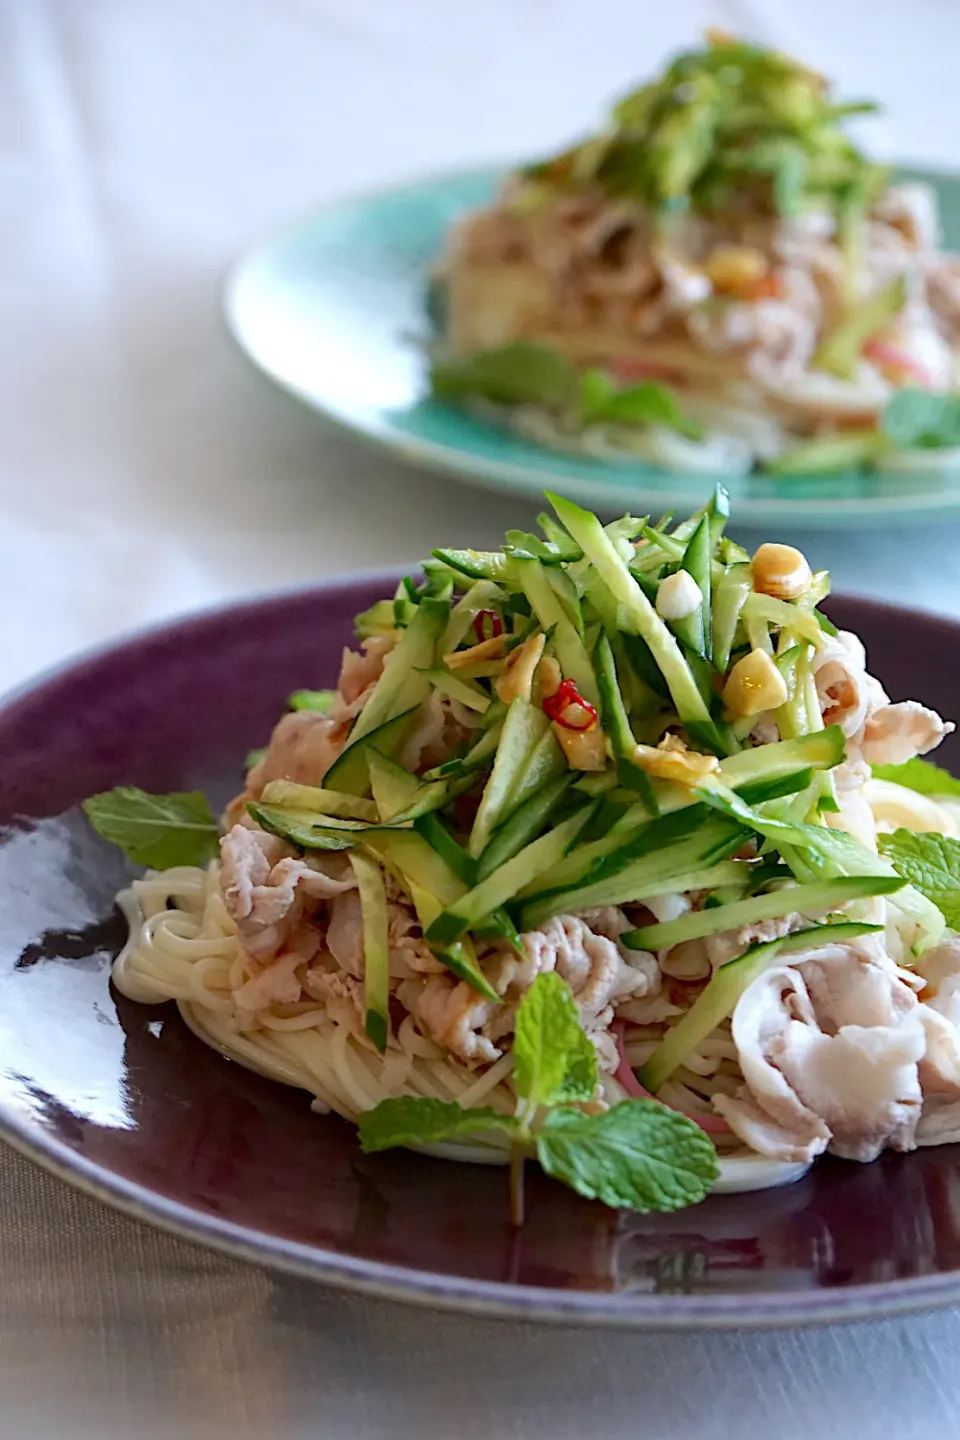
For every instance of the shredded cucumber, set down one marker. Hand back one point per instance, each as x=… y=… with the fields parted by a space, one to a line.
x=524 y=726
x=641 y=617
x=376 y=949
x=808 y=900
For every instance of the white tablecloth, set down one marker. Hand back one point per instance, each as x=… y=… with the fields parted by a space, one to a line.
x=145 y=470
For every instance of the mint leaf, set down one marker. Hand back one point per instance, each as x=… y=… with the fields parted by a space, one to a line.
x=552 y=1058
x=918 y=419
x=522 y=373
x=317 y=700
x=602 y=401
x=920 y=775
x=156 y=830
x=931 y=863
x=638 y=1155
x=414 y=1121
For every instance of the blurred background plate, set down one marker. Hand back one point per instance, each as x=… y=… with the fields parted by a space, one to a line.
x=123 y=1101
x=333 y=310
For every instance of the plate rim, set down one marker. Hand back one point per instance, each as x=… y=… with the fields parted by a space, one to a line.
x=391 y=1281
x=505 y=476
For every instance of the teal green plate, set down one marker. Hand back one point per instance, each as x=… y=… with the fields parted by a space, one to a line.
x=333 y=310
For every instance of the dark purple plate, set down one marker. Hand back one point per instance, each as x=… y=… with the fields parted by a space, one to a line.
x=123 y=1101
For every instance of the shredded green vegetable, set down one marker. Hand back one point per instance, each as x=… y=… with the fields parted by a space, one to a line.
x=607 y=758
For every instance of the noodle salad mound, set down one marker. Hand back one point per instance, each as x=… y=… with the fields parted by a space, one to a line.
x=717 y=280
x=607 y=850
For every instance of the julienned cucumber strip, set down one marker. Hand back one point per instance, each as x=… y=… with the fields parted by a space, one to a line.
x=584 y=856
x=349 y=773
x=728 y=802
x=728 y=602
x=400 y=687
x=376 y=951
x=523 y=728
x=695 y=630
x=378 y=620
x=300 y=828
x=291 y=796
x=394 y=787
x=723 y=991
x=788 y=616
x=689 y=840
x=629 y=838
x=616 y=723
x=460 y=958
x=763 y=773
x=483 y=595
x=401 y=798
x=475 y=758
x=829 y=853
x=532 y=578
x=808 y=900
x=416 y=860
x=566 y=592
x=432 y=830
x=758 y=792
x=705 y=836
x=477 y=564
x=504 y=883
x=467 y=692
x=641 y=617
x=547 y=762
x=634 y=882
x=597 y=783
x=524 y=825
x=821 y=751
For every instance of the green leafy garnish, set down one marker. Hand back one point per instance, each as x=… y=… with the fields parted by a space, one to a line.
x=552 y=1058
x=918 y=420
x=602 y=401
x=529 y=373
x=415 y=1121
x=931 y=864
x=156 y=830
x=518 y=374
x=920 y=775
x=253 y=757
x=638 y=1155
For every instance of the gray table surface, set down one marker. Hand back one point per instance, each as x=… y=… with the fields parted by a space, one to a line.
x=145 y=470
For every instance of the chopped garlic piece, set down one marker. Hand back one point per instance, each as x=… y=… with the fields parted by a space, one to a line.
x=679 y=595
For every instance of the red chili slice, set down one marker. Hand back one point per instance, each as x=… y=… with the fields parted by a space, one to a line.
x=557 y=707
x=479 y=625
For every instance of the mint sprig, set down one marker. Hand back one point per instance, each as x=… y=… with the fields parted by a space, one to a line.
x=931 y=864
x=156 y=830
x=637 y=1155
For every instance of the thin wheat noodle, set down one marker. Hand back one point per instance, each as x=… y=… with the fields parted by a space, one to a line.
x=286 y=1023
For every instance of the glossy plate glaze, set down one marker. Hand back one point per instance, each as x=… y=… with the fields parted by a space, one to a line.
x=123 y=1101
x=333 y=309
